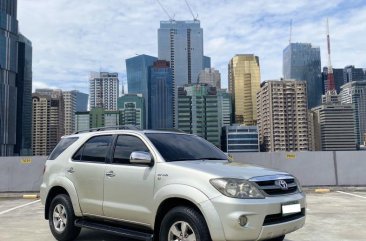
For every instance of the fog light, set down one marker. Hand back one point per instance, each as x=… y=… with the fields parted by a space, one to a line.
x=243 y=220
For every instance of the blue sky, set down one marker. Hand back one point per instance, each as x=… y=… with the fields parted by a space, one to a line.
x=71 y=38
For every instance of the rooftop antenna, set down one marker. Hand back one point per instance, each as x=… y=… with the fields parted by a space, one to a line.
x=166 y=12
x=289 y=40
x=190 y=10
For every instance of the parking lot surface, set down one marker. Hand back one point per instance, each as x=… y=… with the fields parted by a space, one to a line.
x=335 y=216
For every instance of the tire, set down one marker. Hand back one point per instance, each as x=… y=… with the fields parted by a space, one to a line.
x=61 y=219
x=184 y=220
x=281 y=238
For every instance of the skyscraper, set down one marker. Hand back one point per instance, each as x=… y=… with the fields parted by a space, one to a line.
x=138 y=78
x=75 y=101
x=210 y=76
x=238 y=138
x=131 y=108
x=355 y=93
x=244 y=82
x=301 y=61
x=206 y=62
x=160 y=96
x=181 y=43
x=350 y=73
x=47 y=120
x=81 y=101
x=282 y=115
x=104 y=90
x=334 y=127
x=224 y=107
x=198 y=112
x=8 y=71
x=24 y=98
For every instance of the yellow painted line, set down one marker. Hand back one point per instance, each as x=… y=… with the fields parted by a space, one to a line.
x=17 y=207
x=322 y=190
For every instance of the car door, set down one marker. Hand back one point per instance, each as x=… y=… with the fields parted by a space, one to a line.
x=128 y=188
x=86 y=170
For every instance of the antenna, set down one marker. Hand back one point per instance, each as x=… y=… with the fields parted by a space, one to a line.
x=289 y=40
x=330 y=79
x=190 y=10
x=166 y=12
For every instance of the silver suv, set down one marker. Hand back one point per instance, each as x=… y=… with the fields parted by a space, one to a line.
x=160 y=185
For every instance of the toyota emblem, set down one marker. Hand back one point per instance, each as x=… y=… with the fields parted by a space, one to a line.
x=282 y=184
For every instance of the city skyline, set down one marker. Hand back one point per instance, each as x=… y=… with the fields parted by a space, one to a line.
x=66 y=49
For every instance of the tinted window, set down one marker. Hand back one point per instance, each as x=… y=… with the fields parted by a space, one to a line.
x=125 y=146
x=180 y=147
x=95 y=149
x=61 y=146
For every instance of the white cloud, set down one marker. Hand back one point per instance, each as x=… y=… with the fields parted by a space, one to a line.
x=71 y=38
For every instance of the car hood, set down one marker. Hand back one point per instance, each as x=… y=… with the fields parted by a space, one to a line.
x=224 y=168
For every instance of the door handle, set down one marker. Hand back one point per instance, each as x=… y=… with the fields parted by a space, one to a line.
x=70 y=170
x=110 y=174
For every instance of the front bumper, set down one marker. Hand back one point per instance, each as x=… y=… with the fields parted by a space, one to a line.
x=256 y=210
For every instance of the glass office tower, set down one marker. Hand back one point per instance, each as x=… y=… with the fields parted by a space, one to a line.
x=160 y=96
x=301 y=61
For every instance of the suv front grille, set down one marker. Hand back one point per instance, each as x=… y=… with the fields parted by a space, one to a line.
x=271 y=184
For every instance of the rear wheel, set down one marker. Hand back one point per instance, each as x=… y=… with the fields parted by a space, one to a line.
x=184 y=224
x=61 y=219
x=281 y=238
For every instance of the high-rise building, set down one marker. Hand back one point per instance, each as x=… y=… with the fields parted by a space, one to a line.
x=244 y=83
x=47 y=120
x=338 y=79
x=282 y=115
x=210 y=76
x=132 y=109
x=224 y=107
x=104 y=90
x=355 y=93
x=206 y=62
x=350 y=73
x=181 y=43
x=238 y=138
x=334 y=127
x=301 y=61
x=82 y=120
x=198 y=112
x=75 y=101
x=160 y=96
x=138 y=78
x=81 y=101
x=8 y=71
x=24 y=98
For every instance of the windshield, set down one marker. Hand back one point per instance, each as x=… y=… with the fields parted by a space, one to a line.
x=181 y=147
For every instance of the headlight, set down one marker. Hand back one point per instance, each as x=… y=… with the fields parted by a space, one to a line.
x=236 y=188
x=298 y=184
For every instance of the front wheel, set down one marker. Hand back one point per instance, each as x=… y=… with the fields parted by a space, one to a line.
x=281 y=238
x=184 y=224
x=61 y=219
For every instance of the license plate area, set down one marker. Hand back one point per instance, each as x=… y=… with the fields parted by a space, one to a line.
x=288 y=209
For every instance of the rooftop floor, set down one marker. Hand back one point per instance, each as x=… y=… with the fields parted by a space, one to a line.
x=334 y=216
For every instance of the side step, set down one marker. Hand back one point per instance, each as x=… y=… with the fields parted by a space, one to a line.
x=125 y=232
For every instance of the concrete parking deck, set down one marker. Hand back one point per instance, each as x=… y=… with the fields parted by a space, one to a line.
x=334 y=216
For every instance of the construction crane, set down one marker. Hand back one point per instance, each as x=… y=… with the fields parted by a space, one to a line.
x=195 y=18
x=166 y=12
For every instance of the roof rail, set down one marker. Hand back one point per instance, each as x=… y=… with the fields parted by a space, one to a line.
x=169 y=129
x=121 y=127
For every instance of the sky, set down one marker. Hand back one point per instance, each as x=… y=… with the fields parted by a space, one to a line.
x=72 y=38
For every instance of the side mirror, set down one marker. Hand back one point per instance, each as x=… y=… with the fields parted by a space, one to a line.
x=141 y=157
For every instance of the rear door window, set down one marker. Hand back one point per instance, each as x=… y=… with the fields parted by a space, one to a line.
x=94 y=150
x=62 y=146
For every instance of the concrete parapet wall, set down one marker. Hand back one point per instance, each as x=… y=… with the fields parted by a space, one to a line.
x=343 y=168
x=21 y=174
x=327 y=168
